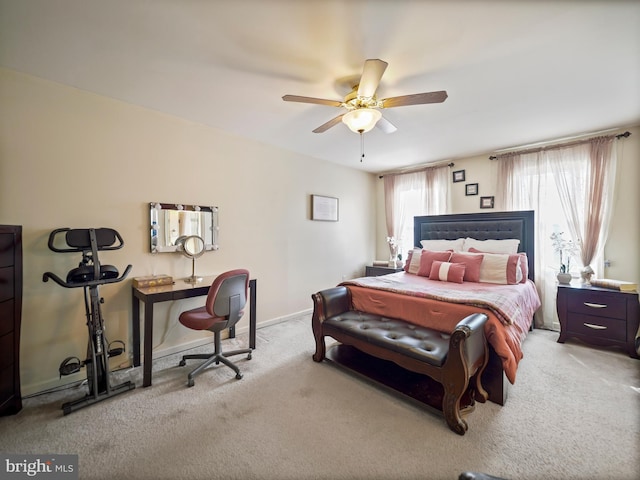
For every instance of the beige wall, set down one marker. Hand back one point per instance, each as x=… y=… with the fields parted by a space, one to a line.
x=69 y=158
x=621 y=248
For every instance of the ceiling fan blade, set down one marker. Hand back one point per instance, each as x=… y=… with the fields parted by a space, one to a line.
x=320 y=101
x=371 y=75
x=415 y=99
x=331 y=123
x=386 y=126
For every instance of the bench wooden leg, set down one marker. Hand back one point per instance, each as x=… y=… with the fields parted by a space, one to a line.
x=321 y=348
x=451 y=406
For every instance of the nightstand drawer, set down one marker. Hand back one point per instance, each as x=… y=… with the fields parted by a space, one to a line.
x=600 y=304
x=596 y=327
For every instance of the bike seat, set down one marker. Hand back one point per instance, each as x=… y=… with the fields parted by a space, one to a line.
x=85 y=273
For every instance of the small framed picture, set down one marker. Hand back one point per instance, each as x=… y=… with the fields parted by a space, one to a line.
x=471 y=189
x=486 y=202
x=458 y=176
x=324 y=208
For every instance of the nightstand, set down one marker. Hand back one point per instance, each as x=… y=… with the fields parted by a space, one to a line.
x=599 y=316
x=377 y=271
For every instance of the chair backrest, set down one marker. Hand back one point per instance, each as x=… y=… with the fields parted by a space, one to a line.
x=227 y=296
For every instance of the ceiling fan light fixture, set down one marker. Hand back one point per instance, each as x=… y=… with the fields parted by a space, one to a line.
x=361 y=120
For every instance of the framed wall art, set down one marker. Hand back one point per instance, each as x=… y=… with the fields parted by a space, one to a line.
x=486 y=202
x=324 y=208
x=471 y=189
x=458 y=176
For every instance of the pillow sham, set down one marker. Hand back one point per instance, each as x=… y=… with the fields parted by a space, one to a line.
x=441 y=245
x=428 y=257
x=516 y=271
x=500 y=268
x=509 y=246
x=447 y=272
x=413 y=261
x=472 y=263
x=524 y=266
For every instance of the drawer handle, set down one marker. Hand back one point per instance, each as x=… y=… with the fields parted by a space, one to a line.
x=595 y=305
x=595 y=327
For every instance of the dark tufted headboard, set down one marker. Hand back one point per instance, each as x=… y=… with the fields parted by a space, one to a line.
x=481 y=226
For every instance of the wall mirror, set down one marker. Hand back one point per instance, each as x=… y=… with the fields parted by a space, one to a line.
x=169 y=222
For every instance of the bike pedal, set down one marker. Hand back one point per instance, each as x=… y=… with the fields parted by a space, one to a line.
x=114 y=352
x=69 y=366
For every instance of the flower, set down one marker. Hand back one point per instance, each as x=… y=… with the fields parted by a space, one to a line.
x=393 y=248
x=568 y=247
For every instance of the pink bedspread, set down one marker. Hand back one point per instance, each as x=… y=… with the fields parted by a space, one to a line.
x=441 y=305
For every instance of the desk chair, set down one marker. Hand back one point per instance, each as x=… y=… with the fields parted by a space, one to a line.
x=223 y=309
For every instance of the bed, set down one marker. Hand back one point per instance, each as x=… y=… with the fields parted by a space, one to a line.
x=436 y=304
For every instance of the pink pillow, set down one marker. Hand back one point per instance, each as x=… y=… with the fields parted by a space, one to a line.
x=502 y=268
x=427 y=259
x=524 y=266
x=447 y=272
x=472 y=263
x=412 y=265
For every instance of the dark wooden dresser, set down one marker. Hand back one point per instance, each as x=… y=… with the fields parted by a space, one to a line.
x=10 y=315
x=599 y=316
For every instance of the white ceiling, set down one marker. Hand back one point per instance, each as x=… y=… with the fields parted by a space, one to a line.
x=517 y=72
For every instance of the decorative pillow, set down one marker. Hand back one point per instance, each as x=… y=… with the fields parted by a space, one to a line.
x=509 y=246
x=441 y=245
x=524 y=266
x=472 y=262
x=428 y=257
x=500 y=268
x=413 y=261
x=447 y=272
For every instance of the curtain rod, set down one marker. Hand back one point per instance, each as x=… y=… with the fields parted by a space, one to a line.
x=550 y=145
x=450 y=164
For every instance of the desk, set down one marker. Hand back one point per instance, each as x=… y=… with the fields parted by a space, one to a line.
x=165 y=293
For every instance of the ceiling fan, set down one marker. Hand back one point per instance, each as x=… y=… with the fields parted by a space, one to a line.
x=363 y=107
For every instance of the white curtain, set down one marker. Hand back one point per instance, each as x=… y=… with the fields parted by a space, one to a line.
x=423 y=192
x=588 y=218
x=526 y=184
x=579 y=177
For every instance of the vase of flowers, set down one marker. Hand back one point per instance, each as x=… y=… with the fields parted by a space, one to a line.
x=566 y=250
x=393 y=251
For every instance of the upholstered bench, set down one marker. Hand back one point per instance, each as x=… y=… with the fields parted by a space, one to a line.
x=453 y=360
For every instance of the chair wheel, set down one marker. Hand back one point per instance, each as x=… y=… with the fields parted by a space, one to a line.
x=190 y=382
x=238 y=376
x=182 y=363
x=249 y=356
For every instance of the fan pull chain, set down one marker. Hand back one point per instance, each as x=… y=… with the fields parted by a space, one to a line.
x=361 y=145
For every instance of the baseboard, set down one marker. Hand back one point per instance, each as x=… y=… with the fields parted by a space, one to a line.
x=71 y=380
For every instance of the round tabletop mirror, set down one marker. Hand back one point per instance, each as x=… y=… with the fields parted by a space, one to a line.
x=192 y=247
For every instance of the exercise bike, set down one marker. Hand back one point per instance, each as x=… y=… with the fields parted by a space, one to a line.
x=89 y=275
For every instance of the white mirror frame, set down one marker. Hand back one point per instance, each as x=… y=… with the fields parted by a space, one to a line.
x=168 y=222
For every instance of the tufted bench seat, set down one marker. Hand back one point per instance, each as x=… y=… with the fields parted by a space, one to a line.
x=453 y=359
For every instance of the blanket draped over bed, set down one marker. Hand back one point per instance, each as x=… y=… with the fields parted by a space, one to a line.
x=441 y=305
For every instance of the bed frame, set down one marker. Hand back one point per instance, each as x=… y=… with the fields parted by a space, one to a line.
x=483 y=226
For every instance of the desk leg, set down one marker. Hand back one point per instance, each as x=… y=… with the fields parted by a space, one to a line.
x=253 y=285
x=148 y=344
x=135 y=309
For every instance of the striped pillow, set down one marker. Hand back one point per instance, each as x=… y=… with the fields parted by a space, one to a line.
x=447 y=272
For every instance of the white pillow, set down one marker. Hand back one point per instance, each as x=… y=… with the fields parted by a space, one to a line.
x=500 y=268
x=443 y=245
x=509 y=246
x=414 y=266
